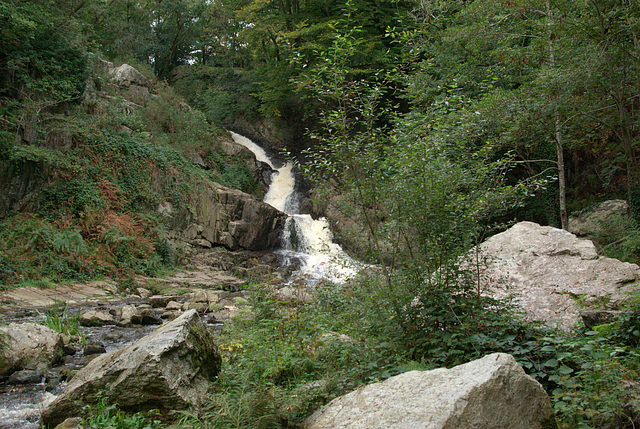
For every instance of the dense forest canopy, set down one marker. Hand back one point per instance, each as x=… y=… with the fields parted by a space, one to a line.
x=538 y=79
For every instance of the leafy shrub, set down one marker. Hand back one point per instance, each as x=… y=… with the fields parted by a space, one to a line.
x=173 y=123
x=620 y=239
x=104 y=416
x=232 y=172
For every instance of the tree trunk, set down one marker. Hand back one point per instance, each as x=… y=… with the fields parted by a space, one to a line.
x=562 y=186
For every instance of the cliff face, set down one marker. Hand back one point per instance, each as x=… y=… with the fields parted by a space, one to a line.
x=227 y=217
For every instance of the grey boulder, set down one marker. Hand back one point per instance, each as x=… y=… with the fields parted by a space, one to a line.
x=28 y=344
x=552 y=275
x=492 y=392
x=169 y=369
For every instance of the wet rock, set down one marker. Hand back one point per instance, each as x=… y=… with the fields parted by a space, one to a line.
x=28 y=344
x=173 y=306
x=158 y=301
x=94 y=348
x=72 y=423
x=69 y=350
x=96 y=318
x=170 y=315
x=115 y=336
x=172 y=369
x=25 y=376
x=149 y=317
x=492 y=392
x=130 y=316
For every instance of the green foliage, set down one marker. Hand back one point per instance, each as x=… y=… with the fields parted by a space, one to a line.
x=103 y=416
x=287 y=359
x=60 y=319
x=587 y=375
x=232 y=172
x=38 y=56
x=620 y=239
x=175 y=124
x=222 y=93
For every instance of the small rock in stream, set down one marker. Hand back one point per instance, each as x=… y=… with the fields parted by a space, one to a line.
x=130 y=316
x=96 y=318
x=158 y=301
x=150 y=318
x=173 y=306
x=69 y=350
x=94 y=349
x=26 y=376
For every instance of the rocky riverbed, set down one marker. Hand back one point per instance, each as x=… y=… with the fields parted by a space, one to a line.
x=214 y=285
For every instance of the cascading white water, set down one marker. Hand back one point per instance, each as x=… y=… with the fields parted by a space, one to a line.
x=306 y=240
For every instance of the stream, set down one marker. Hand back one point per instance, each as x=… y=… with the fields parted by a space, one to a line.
x=20 y=404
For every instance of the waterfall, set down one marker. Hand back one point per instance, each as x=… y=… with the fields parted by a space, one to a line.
x=307 y=242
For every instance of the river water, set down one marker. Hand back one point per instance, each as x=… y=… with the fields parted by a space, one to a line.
x=308 y=242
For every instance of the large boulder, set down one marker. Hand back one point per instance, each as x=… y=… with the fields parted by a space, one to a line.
x=27 y=344
x=169 y=369
x=552 y=275
x=126 y=76
x=492 y=392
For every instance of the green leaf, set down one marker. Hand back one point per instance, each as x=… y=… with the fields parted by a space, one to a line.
x=565 y=370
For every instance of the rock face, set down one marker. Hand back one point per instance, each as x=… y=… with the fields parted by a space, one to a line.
x=168 y=369
x=231 y=218
x=28 y=344
x=492 y=392
x=552 y=275
x=595 y=222
x=131 y=83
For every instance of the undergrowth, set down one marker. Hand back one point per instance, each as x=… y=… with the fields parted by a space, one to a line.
x=108 y=416
x=287 y=359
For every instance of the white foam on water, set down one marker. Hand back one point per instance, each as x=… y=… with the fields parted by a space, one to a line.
x=307 y=240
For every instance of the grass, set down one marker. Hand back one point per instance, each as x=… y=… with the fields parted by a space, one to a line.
x=43 y=283
x=60 y=319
